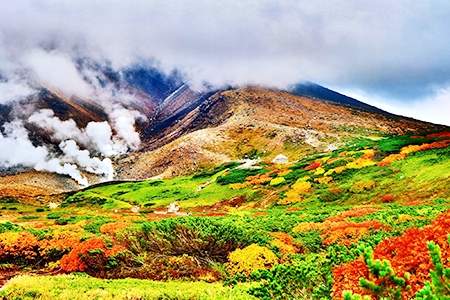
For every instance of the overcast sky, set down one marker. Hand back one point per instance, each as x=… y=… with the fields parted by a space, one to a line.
x=394 y=54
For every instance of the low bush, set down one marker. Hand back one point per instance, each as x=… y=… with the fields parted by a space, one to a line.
x=249 y=259
x=238 y=175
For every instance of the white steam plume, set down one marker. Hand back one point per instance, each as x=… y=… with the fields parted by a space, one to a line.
x=83 y=159
x=97 y=136
x=124 y=121
x=61 y=130
x=100 y=135
x=25 y=154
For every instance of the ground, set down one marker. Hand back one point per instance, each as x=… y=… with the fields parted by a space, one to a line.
x=310 y=228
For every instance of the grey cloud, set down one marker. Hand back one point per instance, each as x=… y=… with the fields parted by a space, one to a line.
x=397 y=49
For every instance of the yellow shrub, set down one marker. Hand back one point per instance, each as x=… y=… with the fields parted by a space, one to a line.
x=291 y=197
x=319 y=171
x=307 y=226
x=360 y=163
x=301 y=187
x=238 y=186
x=249 y=259
x=405 y=218
x=364 y=185
x=324 y=179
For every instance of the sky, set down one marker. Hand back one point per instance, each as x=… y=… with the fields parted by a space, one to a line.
x=392 y=54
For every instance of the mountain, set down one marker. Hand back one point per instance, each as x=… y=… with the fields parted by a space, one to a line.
x=256 y=122
x=187 y=130
x=315 y=91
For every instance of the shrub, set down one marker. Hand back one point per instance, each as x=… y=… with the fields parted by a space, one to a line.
x=407 y=256
x=161 y=267
x=94 y=225
x=206 y=239
x=388 y=198
x=439 y=287
x=8 y=226
x=112 y=228
x=53 y=247
x=238 y=175
x=308 y=277
x=277 y=181
x=18 y=247
x=90 y=256
x=249 y=259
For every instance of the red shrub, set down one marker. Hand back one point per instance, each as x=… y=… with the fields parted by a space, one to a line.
x=407 y=253
x=443 y=134
x=313 y=165
x=388 y=198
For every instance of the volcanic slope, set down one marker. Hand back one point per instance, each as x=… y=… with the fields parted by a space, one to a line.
x=256 y=122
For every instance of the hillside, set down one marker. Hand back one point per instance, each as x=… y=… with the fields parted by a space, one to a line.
x=305 y=228
x=186 y=131
x=247 y=193
x=257 y=122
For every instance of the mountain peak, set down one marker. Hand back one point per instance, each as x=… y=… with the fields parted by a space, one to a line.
x=316 y=91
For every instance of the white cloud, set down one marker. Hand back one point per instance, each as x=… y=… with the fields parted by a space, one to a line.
x=57 y=71
x=14 y=90
x=392 y=50
x=370 y=44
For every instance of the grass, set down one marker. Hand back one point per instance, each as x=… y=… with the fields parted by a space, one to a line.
x=187 y=191
x=76 y=287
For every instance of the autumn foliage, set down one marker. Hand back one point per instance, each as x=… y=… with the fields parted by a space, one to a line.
x=81 y=254
x=407 y=255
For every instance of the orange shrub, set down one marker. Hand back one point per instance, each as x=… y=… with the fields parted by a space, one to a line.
x=388 y=198
x=347 y=233
x=406 y=253
x=59 y=244
x=357 y=211
x=75 y=260
x=284 y=242
x=390 y=159
x=259 y=179
x=413 y=148
x=15 y=246
x=111 y=228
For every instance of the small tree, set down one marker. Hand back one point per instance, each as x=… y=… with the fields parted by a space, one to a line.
x=439 y=287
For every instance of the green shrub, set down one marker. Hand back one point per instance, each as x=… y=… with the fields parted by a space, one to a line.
x=94 y=225
x=308 y=276
x=238 y=175
x=8 y=226
x=206 y=239
x=211 y=172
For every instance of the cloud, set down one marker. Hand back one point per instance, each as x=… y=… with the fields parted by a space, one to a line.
x=13 y=90
x=392 y=50
x=269 y=42
x=56 y=71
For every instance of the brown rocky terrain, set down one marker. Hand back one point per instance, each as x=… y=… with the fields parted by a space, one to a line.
x=246 y=122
